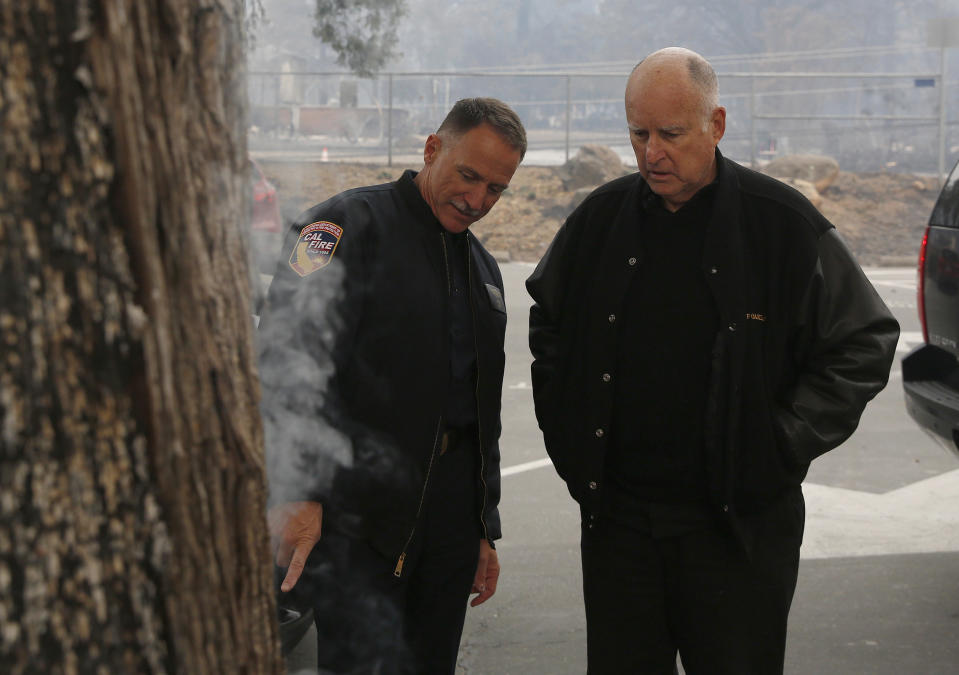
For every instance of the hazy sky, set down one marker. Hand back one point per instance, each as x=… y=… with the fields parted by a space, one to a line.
x=444 y=35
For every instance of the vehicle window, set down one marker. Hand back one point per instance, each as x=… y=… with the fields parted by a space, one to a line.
x=946 y=211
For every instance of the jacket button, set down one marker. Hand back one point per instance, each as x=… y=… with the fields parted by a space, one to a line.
x=732 y=326
x=607 y=377
x=612 y=318
x=725 y=508
x=713 y=270
x=631 y=261
x=600 y=433
x=592 y=485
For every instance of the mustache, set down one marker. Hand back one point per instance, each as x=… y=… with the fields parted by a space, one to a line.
x=464 y=208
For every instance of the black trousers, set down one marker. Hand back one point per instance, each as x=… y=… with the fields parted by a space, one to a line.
x=370 y=621
x=695 y=593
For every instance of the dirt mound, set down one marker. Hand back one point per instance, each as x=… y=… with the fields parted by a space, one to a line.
x=881 y=215
x=816 y=169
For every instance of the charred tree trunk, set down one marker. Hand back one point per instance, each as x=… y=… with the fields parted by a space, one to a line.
x=132 y=490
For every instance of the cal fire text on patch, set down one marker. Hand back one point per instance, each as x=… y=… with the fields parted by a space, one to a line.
x=315 y=248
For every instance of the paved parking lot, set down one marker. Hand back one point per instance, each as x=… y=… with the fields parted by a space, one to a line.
x=879 y=583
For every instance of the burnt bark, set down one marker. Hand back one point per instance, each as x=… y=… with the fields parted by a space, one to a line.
x=132 y=489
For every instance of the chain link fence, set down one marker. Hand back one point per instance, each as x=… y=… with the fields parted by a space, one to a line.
x=867 y=121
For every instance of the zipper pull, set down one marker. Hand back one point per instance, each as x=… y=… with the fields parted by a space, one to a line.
x=399 y=565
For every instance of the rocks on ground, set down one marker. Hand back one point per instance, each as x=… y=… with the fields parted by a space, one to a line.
x=592 y=165
x=880 y=215
x=818 y=170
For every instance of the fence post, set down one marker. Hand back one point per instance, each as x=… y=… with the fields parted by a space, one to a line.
x=942 y=115
x=569 y=111
x=752 y=122
x=389 y=123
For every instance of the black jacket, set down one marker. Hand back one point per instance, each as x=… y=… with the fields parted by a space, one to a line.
x=806 y=341
x=354 y=363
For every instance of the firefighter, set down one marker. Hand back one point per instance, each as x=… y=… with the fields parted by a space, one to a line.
x=381 y=359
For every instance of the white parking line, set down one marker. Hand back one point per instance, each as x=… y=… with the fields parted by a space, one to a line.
x=922 y=517
x=909 y=286
x=527 y=466
x=889 y=271
x=909 y=339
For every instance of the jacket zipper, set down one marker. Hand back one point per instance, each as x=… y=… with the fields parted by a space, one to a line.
x=479 y=424
x=446 y=261
x=398 y=570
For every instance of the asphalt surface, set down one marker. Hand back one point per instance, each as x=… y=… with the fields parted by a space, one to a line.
x=878 y=587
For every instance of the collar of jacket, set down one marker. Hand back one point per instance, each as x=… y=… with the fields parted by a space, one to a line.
x=429 y=227
x=649 y=199
x=723 y=256
x=724 y=260
x=414 y=200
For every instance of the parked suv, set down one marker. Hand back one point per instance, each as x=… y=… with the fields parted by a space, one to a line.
x=930 y=373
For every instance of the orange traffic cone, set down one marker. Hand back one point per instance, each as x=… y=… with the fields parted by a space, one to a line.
x=325 y=155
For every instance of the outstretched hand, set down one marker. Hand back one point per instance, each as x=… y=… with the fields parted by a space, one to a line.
x=487 y=574
x=294 y=530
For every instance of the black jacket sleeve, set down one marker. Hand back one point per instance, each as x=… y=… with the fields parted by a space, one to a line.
x=301 y=339
x=547 y=287
x=845 y=347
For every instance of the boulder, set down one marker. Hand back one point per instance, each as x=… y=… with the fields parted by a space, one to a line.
x=819 y=170
x=592 y=165
x=807 y=189
x=578 y=197
x=562 y=205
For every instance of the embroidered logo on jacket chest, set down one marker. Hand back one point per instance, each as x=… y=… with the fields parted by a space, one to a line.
x=315 y=248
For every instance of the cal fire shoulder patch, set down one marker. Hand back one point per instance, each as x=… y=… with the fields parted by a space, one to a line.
x=315 y=248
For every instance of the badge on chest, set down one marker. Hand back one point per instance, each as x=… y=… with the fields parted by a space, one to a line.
x=315 y=248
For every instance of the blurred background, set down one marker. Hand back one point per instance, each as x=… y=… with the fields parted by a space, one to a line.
x=858 y=80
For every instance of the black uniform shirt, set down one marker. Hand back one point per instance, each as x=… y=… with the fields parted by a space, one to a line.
x=655 y=467
x=461 y=404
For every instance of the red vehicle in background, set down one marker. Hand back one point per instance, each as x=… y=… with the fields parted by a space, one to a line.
x=266 y=223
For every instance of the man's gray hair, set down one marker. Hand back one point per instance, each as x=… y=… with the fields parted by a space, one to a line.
x=469 y=113
x=704 y=77
x=701 y=74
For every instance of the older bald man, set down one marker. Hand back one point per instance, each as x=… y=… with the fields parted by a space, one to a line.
x=700 y=334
